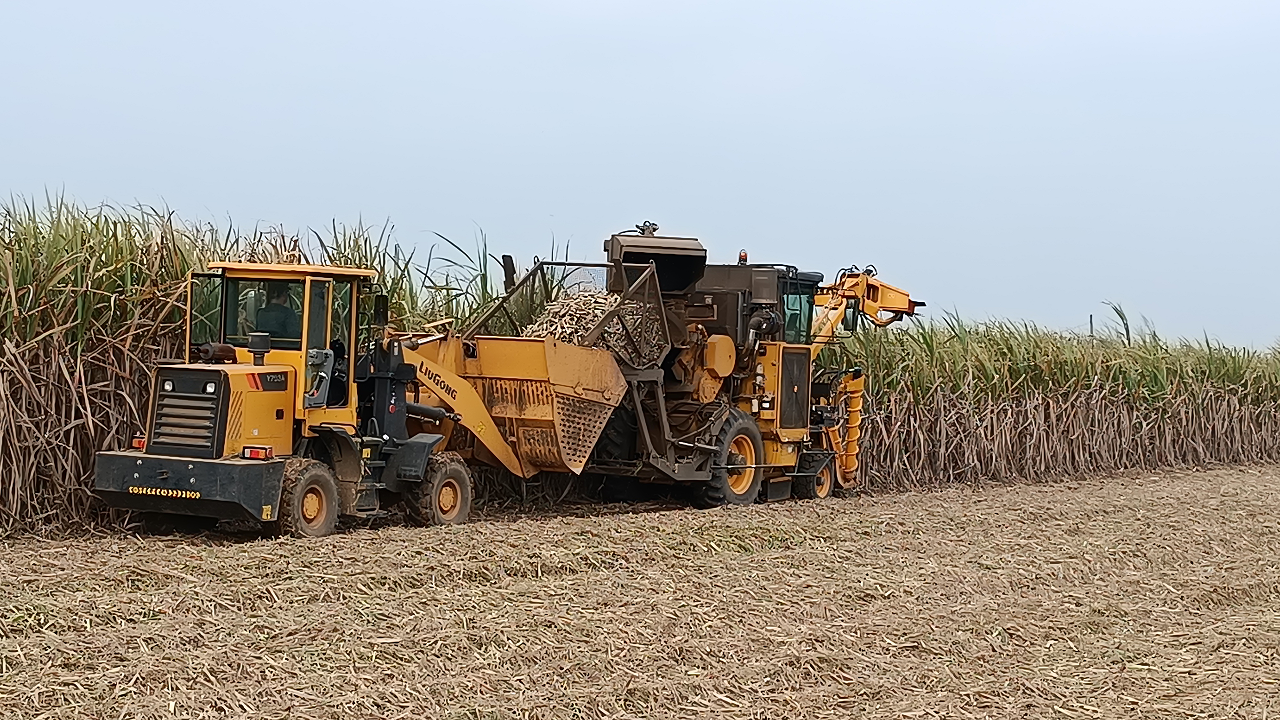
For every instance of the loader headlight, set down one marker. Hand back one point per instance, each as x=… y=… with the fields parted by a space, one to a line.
x=210 y=388
x=168 y=386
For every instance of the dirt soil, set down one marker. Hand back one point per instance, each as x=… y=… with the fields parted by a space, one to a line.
x=1134 y=597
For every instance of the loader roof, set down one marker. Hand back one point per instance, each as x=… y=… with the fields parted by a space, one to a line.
x=291 y=269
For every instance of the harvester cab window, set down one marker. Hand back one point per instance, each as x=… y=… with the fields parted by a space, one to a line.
x=270 y=306
x=797 y=318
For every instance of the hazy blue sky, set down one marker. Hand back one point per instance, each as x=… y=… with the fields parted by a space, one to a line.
x=1017 y=159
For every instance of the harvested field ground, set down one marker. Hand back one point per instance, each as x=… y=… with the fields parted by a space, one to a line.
x=1136 y=597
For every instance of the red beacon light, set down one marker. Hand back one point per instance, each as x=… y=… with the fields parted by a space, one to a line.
x=138 y=442
x=254 y=452
x=742 y=257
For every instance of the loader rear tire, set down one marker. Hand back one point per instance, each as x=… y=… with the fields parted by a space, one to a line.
x=445 y=494
x=308 y=500
x=740 y=444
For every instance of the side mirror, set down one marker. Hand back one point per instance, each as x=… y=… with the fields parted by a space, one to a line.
x=850 y=323
x=508 y=273
x=381 y=311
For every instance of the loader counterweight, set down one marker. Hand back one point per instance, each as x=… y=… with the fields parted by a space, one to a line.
x=228 y=489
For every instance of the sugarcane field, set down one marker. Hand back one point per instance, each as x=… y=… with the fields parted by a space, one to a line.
x=602 y=361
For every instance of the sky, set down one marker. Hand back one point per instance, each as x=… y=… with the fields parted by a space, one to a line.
x=1024 y=160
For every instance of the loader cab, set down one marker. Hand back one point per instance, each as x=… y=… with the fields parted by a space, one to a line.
x=308 y=312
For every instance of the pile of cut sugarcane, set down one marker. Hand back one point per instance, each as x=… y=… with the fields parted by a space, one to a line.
x=570 y=318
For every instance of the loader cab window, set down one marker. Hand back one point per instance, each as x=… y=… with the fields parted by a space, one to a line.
x=204 y=304
x=340 y=341
x=270 y=306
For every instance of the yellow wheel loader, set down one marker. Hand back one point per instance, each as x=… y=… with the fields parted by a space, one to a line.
x=293 y=410
x=298 y=403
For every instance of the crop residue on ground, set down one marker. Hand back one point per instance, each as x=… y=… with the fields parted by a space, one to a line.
x=1137 y=597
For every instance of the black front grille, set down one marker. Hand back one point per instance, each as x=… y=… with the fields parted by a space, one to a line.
x=186 y=420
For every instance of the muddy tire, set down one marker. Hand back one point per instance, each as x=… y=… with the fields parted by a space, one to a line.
x=815 y=487
x=739 y=443
x=308 y=500
x=445 y=495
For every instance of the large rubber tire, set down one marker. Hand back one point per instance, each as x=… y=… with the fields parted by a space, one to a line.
x=445 y=495
x=815 y=487
x=308 y=501
x=740 y=437
x=618 y=439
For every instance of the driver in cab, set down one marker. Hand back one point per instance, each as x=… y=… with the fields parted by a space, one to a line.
x=277 y=319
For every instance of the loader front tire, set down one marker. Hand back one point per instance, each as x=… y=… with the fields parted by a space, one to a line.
x=734 y=478
x=308 y=500
x=445 y=494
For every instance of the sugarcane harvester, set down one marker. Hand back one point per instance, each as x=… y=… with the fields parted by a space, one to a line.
x=299 y=402
x=734 y=410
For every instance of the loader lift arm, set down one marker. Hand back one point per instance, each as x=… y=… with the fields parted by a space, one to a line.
x=465 y=406
x=878 y=301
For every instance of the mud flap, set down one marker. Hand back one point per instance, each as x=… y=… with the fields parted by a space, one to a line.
x=409 y=463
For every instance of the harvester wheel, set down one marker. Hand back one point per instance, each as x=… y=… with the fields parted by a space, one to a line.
x=444 y=496
x=734 y=480
x=809 y=487
x=308 y=501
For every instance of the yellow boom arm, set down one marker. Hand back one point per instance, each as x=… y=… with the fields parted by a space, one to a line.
x=880 y=302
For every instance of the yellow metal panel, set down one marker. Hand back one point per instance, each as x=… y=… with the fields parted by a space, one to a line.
x=518 y=399
x=588 y=373
x=779 y=453
x=344 y=417
x=720 y=356
x=291 y=359
x=254 y=406
x=518 y=358
x=791 y=434
x=538 y=447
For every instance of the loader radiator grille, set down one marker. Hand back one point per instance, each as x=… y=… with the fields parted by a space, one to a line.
x=579 y=423
x=185 y=419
